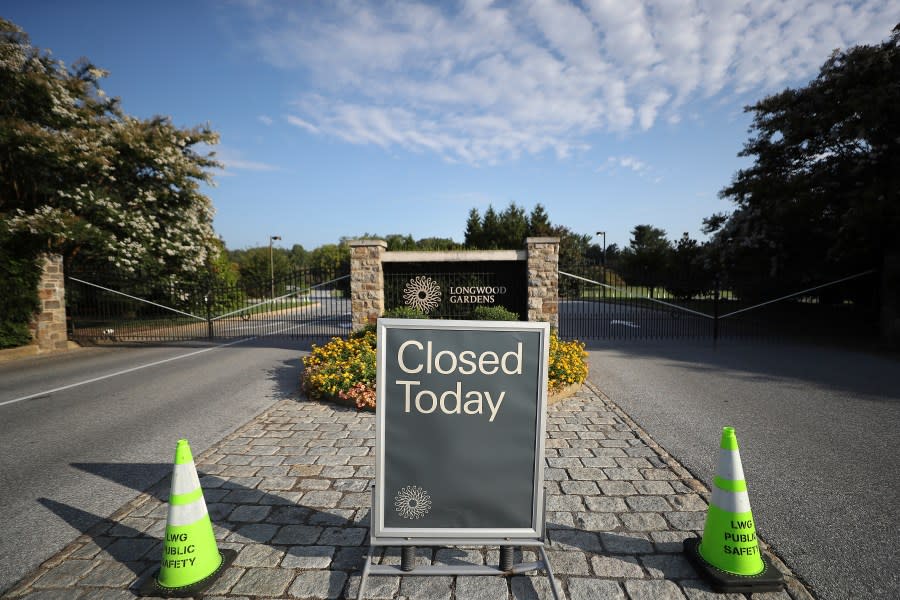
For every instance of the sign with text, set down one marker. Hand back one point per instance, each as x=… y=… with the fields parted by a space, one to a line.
x=453 y=290
x=460 y=429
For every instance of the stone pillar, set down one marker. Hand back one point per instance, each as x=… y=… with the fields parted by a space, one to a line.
x=543 y=279
x=366 y=282
x=49 y=325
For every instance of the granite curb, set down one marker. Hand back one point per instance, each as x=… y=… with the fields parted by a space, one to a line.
x=289 y=491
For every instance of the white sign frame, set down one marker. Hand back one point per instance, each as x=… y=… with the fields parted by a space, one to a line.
x=380 y=535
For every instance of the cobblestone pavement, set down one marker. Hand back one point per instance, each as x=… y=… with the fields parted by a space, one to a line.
x=289 y=492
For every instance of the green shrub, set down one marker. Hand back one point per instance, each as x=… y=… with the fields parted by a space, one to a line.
x=404 y=312
x=19 y=279
x=14 y=334
x=494 y=313
x=401 y=312
x=368 y=328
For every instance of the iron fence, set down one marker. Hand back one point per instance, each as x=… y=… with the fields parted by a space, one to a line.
x=312 y=303
x=599 y=303
x=596 y=303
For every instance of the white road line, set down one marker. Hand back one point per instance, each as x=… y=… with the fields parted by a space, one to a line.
x=125 y=372
x=625 y=323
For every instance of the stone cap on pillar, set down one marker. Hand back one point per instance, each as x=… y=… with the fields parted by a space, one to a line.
x=542 y=240
x=363 y=243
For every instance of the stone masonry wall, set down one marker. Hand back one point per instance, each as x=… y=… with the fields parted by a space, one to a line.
x=49 y=325
x=366 y=282
x=543 y=279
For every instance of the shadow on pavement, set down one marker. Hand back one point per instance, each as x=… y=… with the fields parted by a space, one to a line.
x=286 y=377
x=868 y=373
x=316 y=537
x=120 y=543
x=136 y=476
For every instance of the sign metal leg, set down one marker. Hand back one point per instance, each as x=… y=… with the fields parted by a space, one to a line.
x=553 y=584
x=365 y=574
x=506 y=568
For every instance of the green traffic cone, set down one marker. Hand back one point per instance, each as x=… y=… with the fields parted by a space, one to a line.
x=728 y=554
x=191 y=560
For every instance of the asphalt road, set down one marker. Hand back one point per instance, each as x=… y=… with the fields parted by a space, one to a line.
x=818 y=432
x=644 y=319
x=81 y=432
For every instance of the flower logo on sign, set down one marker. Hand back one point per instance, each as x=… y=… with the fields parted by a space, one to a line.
x=412 y=502
x=422 y=293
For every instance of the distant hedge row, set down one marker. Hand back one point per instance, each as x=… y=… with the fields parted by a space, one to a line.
x=19 y=280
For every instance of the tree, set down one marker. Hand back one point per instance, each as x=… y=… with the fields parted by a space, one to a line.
x=504 y=230
x=256 y=269
x=821 y=199
x=436 y=243
x=688 y=273
x=332 y=258
x=490 y=227
x=539 y=222
x=513 y=229
x=613 y=254
x=19 y=279
x=221 y=268
x=646 y=256
x=298 y=255
x=396 y=241
x=80 y=177
x=474 y=234
x=573 y=247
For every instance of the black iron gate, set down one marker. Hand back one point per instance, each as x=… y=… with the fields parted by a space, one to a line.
x=311 y=303
x=597 y=303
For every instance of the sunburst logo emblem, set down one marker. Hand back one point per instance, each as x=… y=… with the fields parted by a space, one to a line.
x=422 y=293
x=412 y=502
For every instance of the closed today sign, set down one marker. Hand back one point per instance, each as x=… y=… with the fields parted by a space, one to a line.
x=460 y=429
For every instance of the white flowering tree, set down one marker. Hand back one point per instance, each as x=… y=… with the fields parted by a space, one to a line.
x=80 y=177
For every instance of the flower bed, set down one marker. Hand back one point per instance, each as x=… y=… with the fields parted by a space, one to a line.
x=567 y=365
x=344 y=370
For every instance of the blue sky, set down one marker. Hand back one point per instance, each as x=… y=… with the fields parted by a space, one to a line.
x=343 y=118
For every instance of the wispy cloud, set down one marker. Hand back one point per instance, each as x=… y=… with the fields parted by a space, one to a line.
x=265 y=119
x=482 y=82
x=233 y=160
x=631 y=164
x=298 y=122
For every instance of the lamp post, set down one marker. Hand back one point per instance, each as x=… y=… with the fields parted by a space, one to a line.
x=272 y=263
x=603 y=261
x=603 y=233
